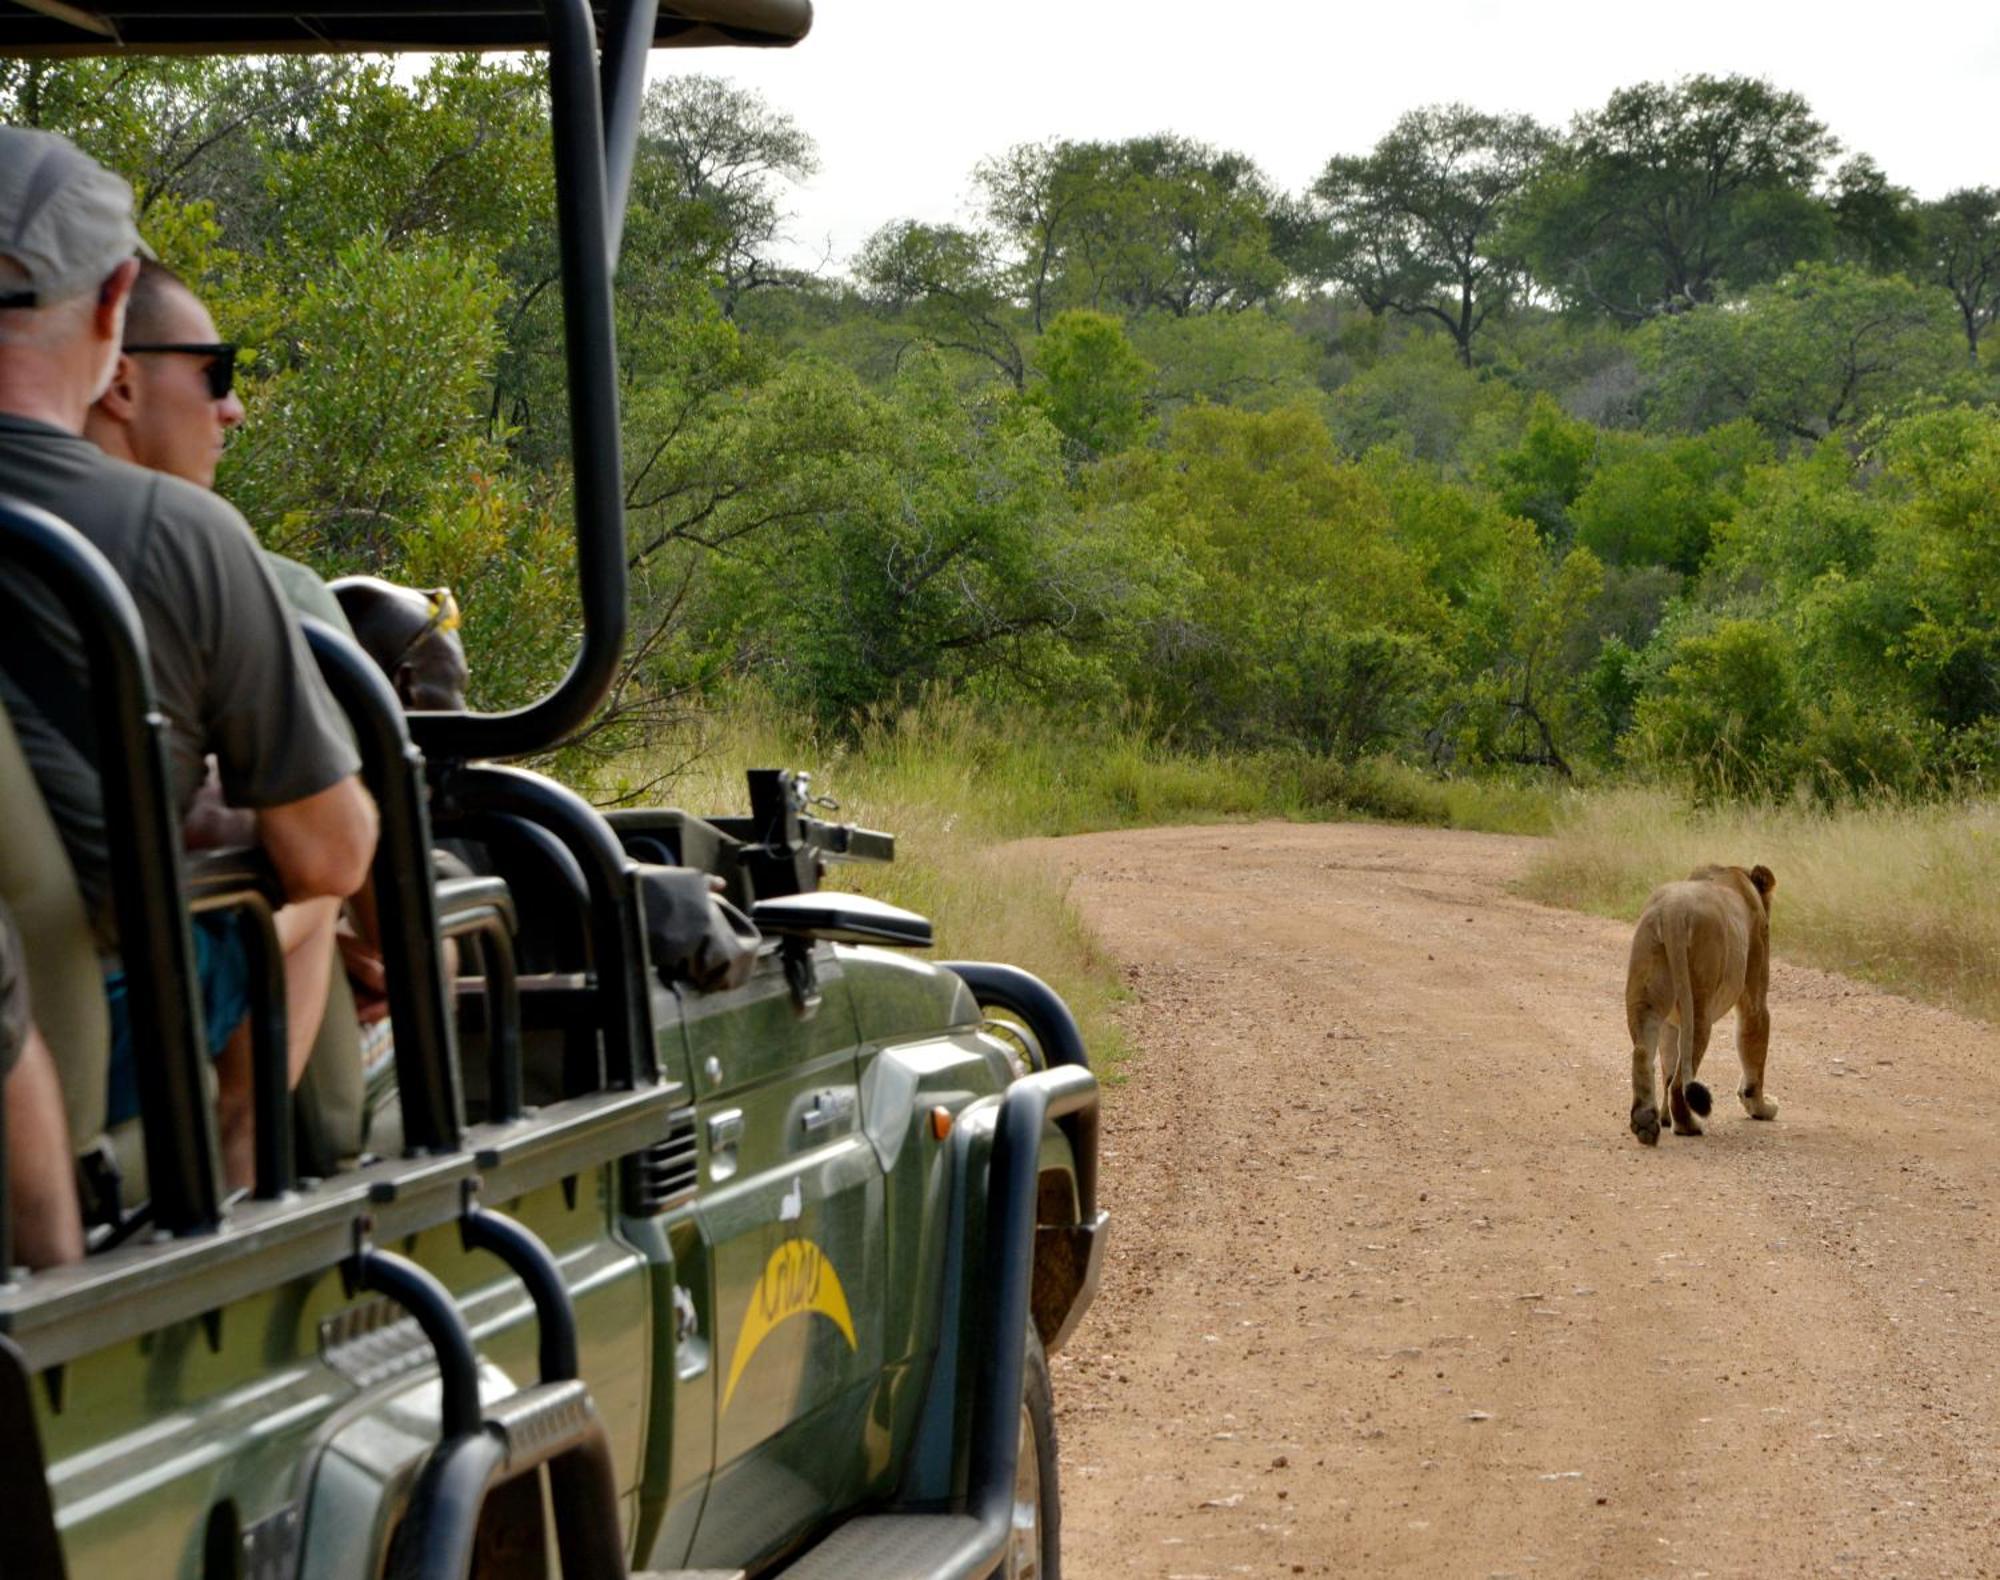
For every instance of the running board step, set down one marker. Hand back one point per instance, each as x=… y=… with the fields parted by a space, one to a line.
x=876 y=1546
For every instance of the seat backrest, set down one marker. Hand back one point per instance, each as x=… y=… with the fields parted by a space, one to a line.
x=65 y=973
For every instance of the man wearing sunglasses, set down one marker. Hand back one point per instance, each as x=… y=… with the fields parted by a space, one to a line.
x=233 y=675
x=171 y=401
x=171 y=405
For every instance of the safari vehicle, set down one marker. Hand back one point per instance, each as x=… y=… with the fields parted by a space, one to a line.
x=753 y=1278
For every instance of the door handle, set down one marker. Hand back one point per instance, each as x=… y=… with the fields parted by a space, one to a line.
x=725 y=1134
x=828 y=1110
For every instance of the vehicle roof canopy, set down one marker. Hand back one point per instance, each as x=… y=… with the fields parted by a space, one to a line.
x=61 y=27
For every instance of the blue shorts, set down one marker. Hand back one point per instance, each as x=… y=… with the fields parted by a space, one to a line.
x=223 y=965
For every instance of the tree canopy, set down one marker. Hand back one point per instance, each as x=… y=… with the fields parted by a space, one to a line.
x=1668 y=442
x=1416 y=226
x=1675 y=193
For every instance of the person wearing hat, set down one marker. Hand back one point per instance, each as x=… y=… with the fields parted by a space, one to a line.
x=230 y=667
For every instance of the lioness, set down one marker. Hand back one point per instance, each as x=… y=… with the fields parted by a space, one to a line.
x=1703 y=947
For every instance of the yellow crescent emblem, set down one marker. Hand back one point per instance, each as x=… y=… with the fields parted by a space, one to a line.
x=797 y=1279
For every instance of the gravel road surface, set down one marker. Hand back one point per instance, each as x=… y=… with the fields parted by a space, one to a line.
x=1394 y=1291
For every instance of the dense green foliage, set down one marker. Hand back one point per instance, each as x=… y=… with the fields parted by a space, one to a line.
x=1665 y=442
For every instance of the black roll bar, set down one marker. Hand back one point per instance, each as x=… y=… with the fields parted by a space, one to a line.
x=227 y=881
x=553 y=1423
x=585 y=233
x=617 y=937
x=436 y=1538
x=144 y=845
x=528 y=1259
x=595 y=106
x=622 y=84
x=1007 y=1288
x=1027 y=997
x=32 y=1542
x=420 y=1006
x=437 y=1316
x=480 y=911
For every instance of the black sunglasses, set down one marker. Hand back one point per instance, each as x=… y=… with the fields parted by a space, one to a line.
x=221 y=369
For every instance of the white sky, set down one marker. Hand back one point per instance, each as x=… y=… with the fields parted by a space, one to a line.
x=905 y=96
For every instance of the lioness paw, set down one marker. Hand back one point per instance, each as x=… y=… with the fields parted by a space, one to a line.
x=1759 y=1106
x=1646 y=1125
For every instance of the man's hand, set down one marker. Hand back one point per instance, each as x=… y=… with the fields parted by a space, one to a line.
x=365 y=974
x=211 y=823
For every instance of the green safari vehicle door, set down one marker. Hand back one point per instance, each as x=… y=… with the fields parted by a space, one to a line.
x=791 y=1186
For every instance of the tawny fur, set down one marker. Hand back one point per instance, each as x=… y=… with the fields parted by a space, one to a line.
x=1702 y=948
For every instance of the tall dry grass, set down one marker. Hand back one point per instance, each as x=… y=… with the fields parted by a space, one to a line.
x=956 y=781
x=952 y=789
x=1895 y=894
x=1903 y=896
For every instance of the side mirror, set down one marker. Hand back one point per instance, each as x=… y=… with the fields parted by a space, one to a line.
x=842 y=919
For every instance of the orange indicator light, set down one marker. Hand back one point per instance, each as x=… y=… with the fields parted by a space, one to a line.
x=940 y=1123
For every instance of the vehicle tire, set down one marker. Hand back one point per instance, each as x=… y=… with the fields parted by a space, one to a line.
x=1034 y=1550
x=1025 y=1048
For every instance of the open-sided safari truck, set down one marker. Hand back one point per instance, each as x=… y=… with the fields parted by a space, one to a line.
x=744 y=1278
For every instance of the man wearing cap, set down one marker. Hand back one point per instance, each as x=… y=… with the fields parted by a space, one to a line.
x=230 y=667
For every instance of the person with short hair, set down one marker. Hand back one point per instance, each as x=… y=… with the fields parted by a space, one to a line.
x=230 y=666
x=170 y=406
x=171 y=401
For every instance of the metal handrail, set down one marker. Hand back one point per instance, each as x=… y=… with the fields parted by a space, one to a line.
x=617 y=937
x=420 y=1004
x=585 y=235
x=145 y=859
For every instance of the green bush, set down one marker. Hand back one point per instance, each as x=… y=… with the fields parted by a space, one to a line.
x=1854 y=752
x=1726 y=716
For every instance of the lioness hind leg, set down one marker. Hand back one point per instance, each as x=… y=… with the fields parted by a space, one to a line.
x=1645 y=1108
x=1678 y=1104
x=1753 y=1044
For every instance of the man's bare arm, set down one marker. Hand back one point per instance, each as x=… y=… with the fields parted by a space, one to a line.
x=41 y=1174
x=321 y=845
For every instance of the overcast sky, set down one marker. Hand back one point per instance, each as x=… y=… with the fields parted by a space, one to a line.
x=905 y=96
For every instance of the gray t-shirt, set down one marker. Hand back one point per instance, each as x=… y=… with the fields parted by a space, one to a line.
x=230 y=667
x=305 y=592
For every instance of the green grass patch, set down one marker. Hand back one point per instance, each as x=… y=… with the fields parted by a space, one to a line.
x=955 y=781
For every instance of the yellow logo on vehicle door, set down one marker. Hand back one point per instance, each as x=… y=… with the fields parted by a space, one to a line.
x=798 y=1279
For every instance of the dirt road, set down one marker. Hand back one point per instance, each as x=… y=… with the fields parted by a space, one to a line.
x=1394 y=1291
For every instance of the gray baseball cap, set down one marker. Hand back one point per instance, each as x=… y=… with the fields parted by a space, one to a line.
x=64 y=219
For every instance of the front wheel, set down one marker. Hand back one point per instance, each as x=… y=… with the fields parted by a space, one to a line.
x=1034 y=1549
